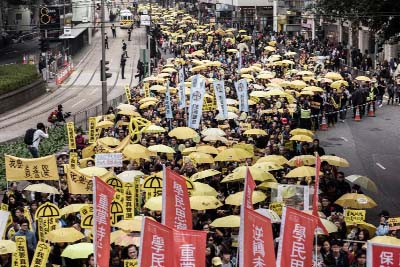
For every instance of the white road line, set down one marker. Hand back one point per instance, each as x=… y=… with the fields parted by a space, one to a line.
x=380 y=166
x=77 y=103
x=92 y=92
x=344 y=139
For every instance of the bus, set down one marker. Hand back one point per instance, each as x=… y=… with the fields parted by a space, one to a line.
x=126 y=19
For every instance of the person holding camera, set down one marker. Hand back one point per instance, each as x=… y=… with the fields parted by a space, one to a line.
x=383 y=228
x=39 y=134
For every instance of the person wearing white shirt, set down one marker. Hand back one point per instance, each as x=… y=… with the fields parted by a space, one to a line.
x=39 y=134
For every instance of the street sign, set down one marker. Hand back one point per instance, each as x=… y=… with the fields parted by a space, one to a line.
x=145 y=20
x=67 y=30
x=108 y=160
x=49 y=17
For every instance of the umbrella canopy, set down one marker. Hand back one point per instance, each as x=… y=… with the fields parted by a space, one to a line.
x=104 y=124
x=302 y=131
x=207 y=149
x=213 y=131
x=267 y=166
x=214 y=138
x=301 y=138
x=7 y=247
x=128 y=176
x=183 y=133
x=201 y=189
x=72 y=208
x=336 y=161
x=204 y=174
x=363 y=79
x=270 y=214
x=240 y=173
x=237 y=198
x=333 y=76
x=266 y=185
x=389 y=240
x=301 y=160
x=154 y=129
x=302 y=171
x=329 y=226
x=231 y=221
x=154 y=203
x=356 y=201
x=126 y=239
x=136 y=151
x=231 y=116
x=278 y=159
x=94 y=171
x=233 y=154
x=64 y=235
x=255 y=132
x=161 y=149
x=126 y=107
x=109 y=141
x=42 y=188
x=78 y=251
x=204 y=203
x=201 y=158
x=362 y=181
x=132 y=225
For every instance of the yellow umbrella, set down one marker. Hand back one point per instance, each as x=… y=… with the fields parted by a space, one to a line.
x=128 y=176
x=154 y=129
x=72 y=208
x=333 y=76
x=389 y=240
x=7 y=247
x=267 y=166
x=302 y=171
x=237 y=198
x=335 y=161
x=240 y=174
x=329 y=226
x=325 y=80
x=189 y=150
x=275 y=92
x=231 y=221
x=255 y=132
x=214 y=138
x=363 y=79
x=42 y=188
x=207 y=149
x=313 y=89
x=302 y=131
x=233 y=154
x=123 y=106
x=126 y=239
x=363 y=181
x=248 y=76
x=338 y=84
x=265 y=185
x=104 y=124
x=161 y=149
x=147 y=99
x=136 y=151
x=204 y=203
x=288 y=62
x=198 y=68
x=129 y=112
x=245 y=70
x=148 y=104
x=93 y=171
x=232 y=50
x=201 y=189
x=290 y=54
x=367 y=226
x=204 y=174
x=64 y=235
x=356 y=201
x=131 y=225
x=183 y=133
x=78 y=251
x=109 y=141
x=278 y=159
x=301 y=138
x=154 y=203
x=270 y=49
x=260 y=94
x=301 y=160
x=298 y=84
x=201 y=158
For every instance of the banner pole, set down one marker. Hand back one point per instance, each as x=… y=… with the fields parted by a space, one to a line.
x=316 y=249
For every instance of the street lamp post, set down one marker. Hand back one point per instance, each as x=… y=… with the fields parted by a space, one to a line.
x=103 y=61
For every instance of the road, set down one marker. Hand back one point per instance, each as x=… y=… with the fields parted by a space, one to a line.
x=372 y=147
x=83 y=89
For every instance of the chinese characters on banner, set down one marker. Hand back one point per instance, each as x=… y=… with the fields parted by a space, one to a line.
x=47 y=216
x=41 y=255
x=137 y=195
x=129 y=200
x=19 y=169
x=20 y=256
x=188 y=246
x=168 y=106
x=258 y=243
x=354 y=216
x=219 y=90
x=382 y=255
x=73 y=160
x=79 y=183
x=243 y=97
x=131 y=263
x=103 y=195
x=197 y=92
x=128 y=93
x=156 y=245
x=86 y=213
x=296 y=238
x=92 y=130
x=71 y=135
x=176 y=205
x=146 y=89
x=181 y=90
x=108 y=160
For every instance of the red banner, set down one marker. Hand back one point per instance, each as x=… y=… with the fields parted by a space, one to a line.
x=103 y=195
x=258 y=242
x=176 y=211
x=296 y=239
x=382 y=255
x=249 y=187
x=190 y=247
x=316 y=184
x=156 y=245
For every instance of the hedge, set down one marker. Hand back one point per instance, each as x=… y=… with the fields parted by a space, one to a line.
x=15 y=76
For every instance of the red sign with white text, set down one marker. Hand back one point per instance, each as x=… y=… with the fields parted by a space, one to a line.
x=189 y=246
x=103 y=195
x=296 y=238
x=156 y=246
x=249 y=187
x=258 y=242
x=176 y=211
x=383 y=255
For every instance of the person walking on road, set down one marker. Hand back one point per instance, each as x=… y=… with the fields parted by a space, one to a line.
x=123 y=62
x=39 y=134
x=140 y=69
x=106 y=41
x=114 y=31
x=124 y=46
x=129 y=33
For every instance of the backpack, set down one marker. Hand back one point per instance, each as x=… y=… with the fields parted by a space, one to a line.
x=28 y=139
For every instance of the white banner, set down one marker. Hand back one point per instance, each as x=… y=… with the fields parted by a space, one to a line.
x=239 y=56
x=219 y=89
x=168 y=107
x=197 y=92
x=3 y=221
x=243 y=97
x=108 y=160
x=181 y=90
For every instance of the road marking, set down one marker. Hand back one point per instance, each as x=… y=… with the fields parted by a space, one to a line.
x=380 y=166
x=77 y=103
x=344 y=139
x=92 y=92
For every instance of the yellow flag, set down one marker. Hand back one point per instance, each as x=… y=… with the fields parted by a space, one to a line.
x=128 y=93
x=92 y=130
x=20 y=169
x=71 y=135
x=21 y=253
x=41 y=255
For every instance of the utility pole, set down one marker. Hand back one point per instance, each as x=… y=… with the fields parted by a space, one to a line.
x=103 y=66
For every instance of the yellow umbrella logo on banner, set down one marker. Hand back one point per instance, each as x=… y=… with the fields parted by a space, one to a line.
x=136 y=127
x=86 y=213
x=115 y=183
x=117 y=208
x=47 y=215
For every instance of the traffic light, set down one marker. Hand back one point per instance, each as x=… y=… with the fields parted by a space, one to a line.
x=104 y=75
x=44 y=45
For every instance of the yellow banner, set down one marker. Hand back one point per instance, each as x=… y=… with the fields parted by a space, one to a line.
x=137 y=195
x=41 y=255
x=117 y=208
x=79 y=183
x=47 y=216
x=394 y=223
x=131 y=263
x=354 y=216
x=129 y=200
x=71 y=135
x=92 y=130
x=128 y=93
x=73 y=160
x=146 y=89
x=86 y=217
x=21 y=169
x=21 y=254
x=277 y=207
x=4 y=207
x=28 y=216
